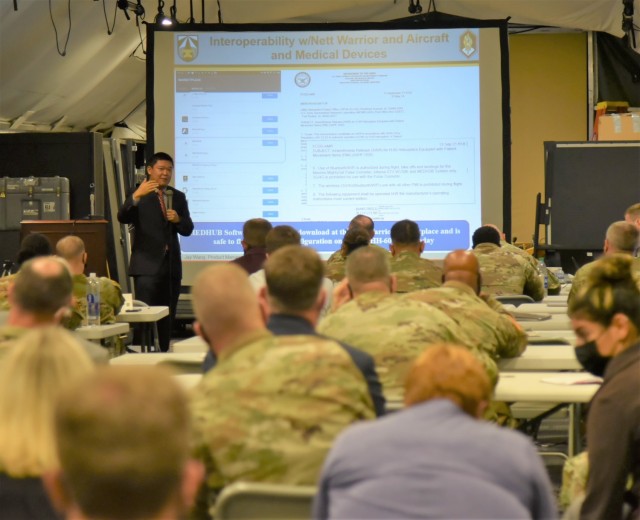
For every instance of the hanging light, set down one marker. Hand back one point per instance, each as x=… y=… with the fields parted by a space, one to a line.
x=161 y=18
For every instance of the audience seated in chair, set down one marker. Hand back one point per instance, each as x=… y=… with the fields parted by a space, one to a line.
x=38 y=368
x=436 y=458
x=122 y=438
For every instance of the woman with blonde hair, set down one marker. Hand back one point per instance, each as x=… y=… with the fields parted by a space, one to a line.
x=605 y=316
x=32 y=374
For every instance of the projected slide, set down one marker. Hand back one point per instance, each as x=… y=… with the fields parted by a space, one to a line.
x=312 y=128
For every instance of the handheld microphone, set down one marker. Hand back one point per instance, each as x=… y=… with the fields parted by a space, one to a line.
x=169 y=193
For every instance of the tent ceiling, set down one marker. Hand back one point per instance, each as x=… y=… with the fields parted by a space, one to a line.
x=101 y=79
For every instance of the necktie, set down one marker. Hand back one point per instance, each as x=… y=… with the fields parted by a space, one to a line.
x=162 y=204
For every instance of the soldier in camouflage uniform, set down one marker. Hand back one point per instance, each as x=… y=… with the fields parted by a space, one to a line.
x=553 y=286
x=32 y=246
x=72 y=249
x=39 y=296
x=503 y=273
x=354 y=238
x=335 y=263
x=412 y=272
x=393 y=329
x=494 y=334
x=271 y=408
x=621 y=237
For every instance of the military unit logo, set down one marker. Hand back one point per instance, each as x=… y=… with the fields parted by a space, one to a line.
x=188 y=47
x=468 y=44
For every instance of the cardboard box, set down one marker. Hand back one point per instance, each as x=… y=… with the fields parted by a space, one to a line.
x=619 y=127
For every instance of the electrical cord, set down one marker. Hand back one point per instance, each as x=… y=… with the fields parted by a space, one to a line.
x=106 y=20
x=62 y=52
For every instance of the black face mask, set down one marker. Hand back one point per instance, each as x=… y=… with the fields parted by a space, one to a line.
x=591 y=360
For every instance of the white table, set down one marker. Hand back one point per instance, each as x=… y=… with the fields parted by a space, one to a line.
x=194 y=344
x=98 y=332
x=556 y=322
x=542 y=308
x=189 y=362
x=542 y=357
x=556 y=298
x=535 y=337
x=148 y=317
x=529 y=387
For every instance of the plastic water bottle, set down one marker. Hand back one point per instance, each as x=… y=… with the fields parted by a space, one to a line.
x=544 y=276
x=93 y=300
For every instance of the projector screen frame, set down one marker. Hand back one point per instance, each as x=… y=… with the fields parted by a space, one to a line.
x=420 y=22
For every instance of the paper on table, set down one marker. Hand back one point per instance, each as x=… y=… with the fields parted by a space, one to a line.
x=573 y=378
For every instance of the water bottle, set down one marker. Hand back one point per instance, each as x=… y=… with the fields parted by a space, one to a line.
x=544 y=276
x=93 y=300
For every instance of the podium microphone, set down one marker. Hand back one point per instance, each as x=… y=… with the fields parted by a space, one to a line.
x=169 y=193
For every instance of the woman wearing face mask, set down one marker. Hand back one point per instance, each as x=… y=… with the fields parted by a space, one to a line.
x=605 y=316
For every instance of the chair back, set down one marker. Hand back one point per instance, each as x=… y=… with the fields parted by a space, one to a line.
x=254 y=500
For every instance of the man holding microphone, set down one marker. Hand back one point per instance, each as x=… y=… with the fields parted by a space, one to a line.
x=157 y=213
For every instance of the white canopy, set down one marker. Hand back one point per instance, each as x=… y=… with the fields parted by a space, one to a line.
x=101 y=79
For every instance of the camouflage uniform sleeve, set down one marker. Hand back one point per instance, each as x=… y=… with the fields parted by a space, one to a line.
x=533 y=286
x=494 y=304
x=4 y=288
x=111 y=300
x=335 y=271
x=574 y=479
x=512 y=339
x=579 y=280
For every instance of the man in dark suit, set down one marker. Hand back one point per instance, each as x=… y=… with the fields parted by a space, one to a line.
x=158 y=213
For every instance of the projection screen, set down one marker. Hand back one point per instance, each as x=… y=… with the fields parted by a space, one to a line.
x=309 y=125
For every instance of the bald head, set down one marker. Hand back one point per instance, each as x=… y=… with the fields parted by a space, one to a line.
x=225 y=304
x=462 y=266
x=70 y=247
x=622 y=237
x=42 y=287
x=368 y=268
x=364 y=222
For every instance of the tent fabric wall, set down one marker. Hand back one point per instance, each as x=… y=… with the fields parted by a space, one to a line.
x=101 y=79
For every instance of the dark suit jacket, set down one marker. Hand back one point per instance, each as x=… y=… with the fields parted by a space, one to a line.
x=287 y=325
x=152 y=233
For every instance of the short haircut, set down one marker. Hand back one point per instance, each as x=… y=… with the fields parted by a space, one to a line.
x=32 y=246
x=159 y=156
x=294 y=276
x=281 y=236
x=223 y=298
x=633 y=211
x=445 y=371
x=623 y=236
x=355 y=238
x=254 y=231
x=36 y=368
x=70 y=247
x=485 y=235
x=611 y=288
x=123 y=441
x=363 y=221
x=367 y=264
x=43 y=286
x=405 y=232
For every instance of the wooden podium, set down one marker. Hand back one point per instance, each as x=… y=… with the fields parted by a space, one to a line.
x=92 y=232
